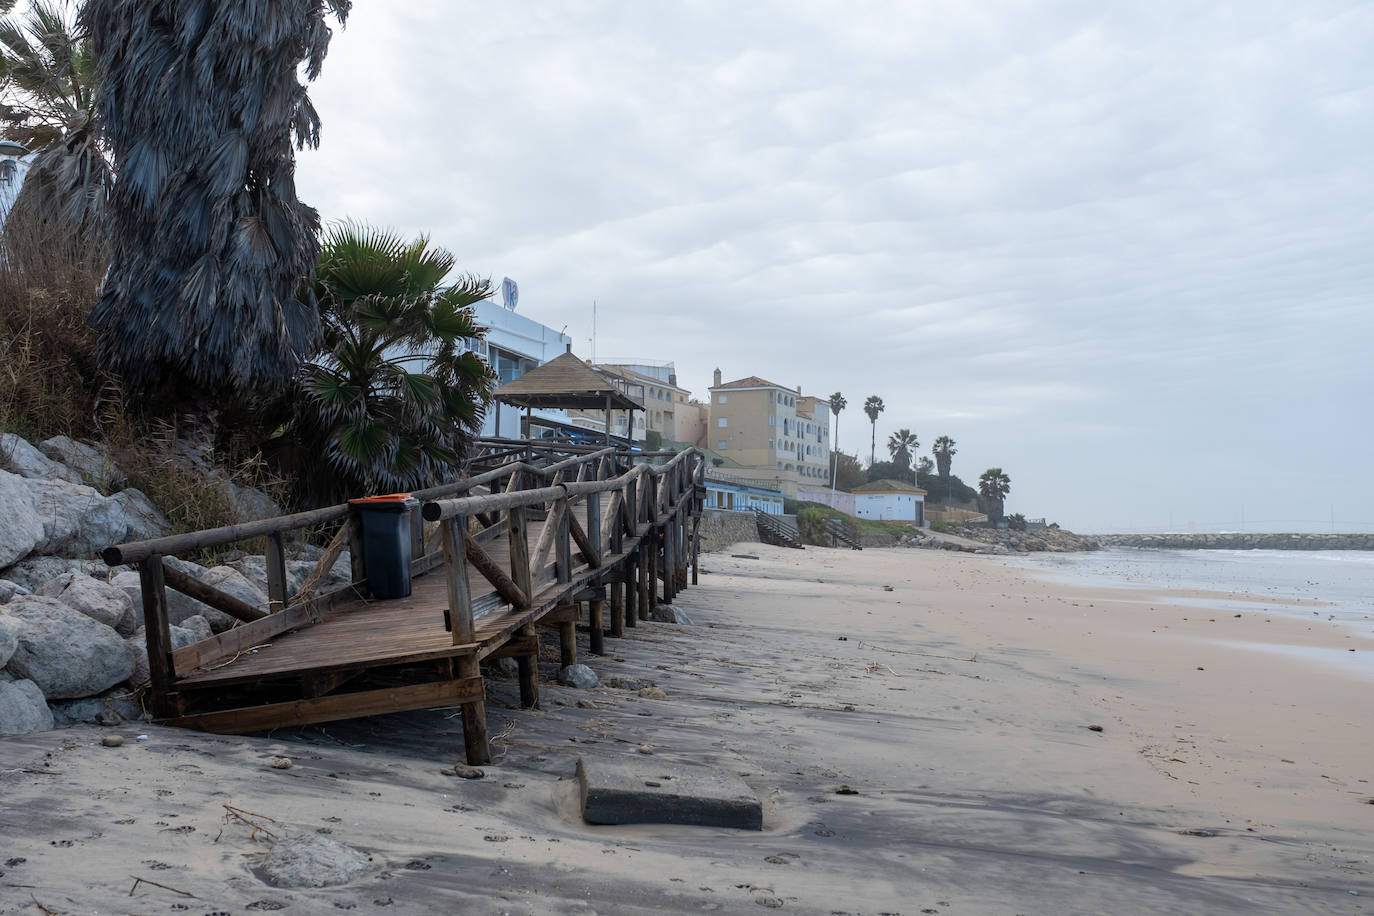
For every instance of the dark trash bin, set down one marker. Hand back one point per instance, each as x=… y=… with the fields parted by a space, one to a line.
x=386 y=542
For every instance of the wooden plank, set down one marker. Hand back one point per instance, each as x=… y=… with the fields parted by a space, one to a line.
x=544 y=546
x=514 y=647
x=332 y=708
x=293 y=665
x=223 y=645
x=561 y=613
x=591 y=553
x=208 y=594
x=276 y=573
x=158 y=633
x=456 y=578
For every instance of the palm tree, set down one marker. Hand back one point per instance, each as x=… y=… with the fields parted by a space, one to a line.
x=392 y=399
x=837 y=403
x=994 y=486
x=47 y=104
x=873 y=406
x=199 y=103
x=944 y=452
x=901 y=445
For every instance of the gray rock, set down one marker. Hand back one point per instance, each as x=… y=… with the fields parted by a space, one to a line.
x=232 y=582
x=578 y=676
x=64 y=652
x=20 y=527
x=77 y=520
x=100 y=601
x=312 y=861
x=19 y=457
x=9 y=638
x=111 y=709
x=35 y=572
x=670 y=613
x=94 y=468
x=194 y=629
x=195 y=570
x=144 y=521
x=248 y=504
x=9 y=589
x=626 y=683
x=505 y=667
x=254 y=569
x=179 y=607
x=23 y=709
x=642 y=790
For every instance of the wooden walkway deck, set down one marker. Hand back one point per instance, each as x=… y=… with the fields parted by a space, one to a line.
x=499 y=575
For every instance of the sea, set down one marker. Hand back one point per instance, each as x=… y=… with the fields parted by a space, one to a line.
x=1343 y=580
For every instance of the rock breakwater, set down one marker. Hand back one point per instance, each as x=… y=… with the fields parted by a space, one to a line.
x=1240 y=541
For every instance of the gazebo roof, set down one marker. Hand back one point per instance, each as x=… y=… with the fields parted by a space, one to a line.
x=566 y=383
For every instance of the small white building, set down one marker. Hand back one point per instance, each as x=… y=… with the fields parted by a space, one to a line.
x=890 y=500
x=741 y=497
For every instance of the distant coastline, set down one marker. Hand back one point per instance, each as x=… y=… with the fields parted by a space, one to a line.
x=1239 y=541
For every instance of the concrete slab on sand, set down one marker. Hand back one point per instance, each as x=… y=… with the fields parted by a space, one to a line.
x=646 y=791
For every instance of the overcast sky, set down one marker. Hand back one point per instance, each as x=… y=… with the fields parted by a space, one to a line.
x=1122 y=251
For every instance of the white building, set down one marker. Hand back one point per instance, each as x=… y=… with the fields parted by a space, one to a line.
x=15 y=161
x=514 y=345
x=890 y=500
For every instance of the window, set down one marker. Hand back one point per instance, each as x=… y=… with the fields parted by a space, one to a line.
x=770 y=443
x=723 y=422
x=770 y=397
x=720 y=399
x=772 y=420
x=722 y=445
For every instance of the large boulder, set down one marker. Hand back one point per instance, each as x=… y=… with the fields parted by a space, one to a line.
x=578 y=676
x=232 y=582
x=111 y=708
x=35 y=572
x=312 y=861
x=100 y=601
x=22 y=708
x=77 y=520
x=64 y=652
x=194 y=629
x=143 y=520
x=21 y=529
x=248 y=504
x=179 y=607
x=9 y=638
x=19 y=457
x=9 y=589
x=95 y=468
x=669 y=613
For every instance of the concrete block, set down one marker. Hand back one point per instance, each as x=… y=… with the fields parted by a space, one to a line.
x=642 y=790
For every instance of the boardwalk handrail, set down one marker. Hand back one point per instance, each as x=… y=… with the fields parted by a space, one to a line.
x=136 y=551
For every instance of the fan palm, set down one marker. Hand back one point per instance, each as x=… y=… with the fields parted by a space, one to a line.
x=837 y=404
x=993 y=486
x=199 y=102
x=47 y=103
x=391 y=401
x=901 y=445
x=944 y=452
x=873 y=406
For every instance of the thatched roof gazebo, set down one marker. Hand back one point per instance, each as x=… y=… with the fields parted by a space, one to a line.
x=566 y=383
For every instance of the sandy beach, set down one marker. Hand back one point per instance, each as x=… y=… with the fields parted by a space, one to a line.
x=1014 y=745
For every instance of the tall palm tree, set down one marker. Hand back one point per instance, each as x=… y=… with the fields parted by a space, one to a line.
x=47 y=104
x=901 y=445
x=944 y=452
x=837 y=403
x=199 y=103
x=994 y=486
x=873 y=406
x=391 y=401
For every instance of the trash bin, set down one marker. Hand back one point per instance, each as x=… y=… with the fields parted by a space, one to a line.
x=386 y=542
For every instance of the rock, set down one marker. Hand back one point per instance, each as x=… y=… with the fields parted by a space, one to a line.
x=92 y=467
x=77 y=520
x=100 y=601
x=653 y=693
x=635 y=791
x=113 y=708
x=35 y=572
x=626 y=683
x=463 y=771
x=505 y=667
x=23 y=709
x=20 y=527
x=231 y=582
x=670 y=613
x=64 y=652
x=112 y=741
x=144 y=521
x=578 y=676
x=312 y=861
x=249 y=505
x=19 y=457
x=280 y=763
x=180 y=608
x=194 y=629
x=9 y=638
x=9 y=589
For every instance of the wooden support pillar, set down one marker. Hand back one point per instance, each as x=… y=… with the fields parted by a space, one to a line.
x=632 y=590
x=646 y=570
x=158 y=634
x=696 y=546
x=357 y=566
x=618 y=604
x=456 y=579
x=529 y=669
x=276 y=573
x=475 y=743
x=669 y=561
x=567 y=641
x=596 y=613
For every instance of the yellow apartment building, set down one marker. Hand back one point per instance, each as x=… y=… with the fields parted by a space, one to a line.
x=779 y=436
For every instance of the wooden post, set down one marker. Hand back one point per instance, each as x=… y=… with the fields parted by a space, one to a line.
x=594 y=522
x=631 y=568
x=276 y=573
x=417 y=534
x=696 y=545
x=567 y=629
x=647 y=587
x=567 y=642
x=618 y=604
x=529 y=669
x=357 y=567
x=596 y=614
x=475 y=743
x=158 y=634
x=669 y=560
x=517 y=531
x=456 y=578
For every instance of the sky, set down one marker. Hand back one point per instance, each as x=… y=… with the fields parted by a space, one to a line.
x=1120 y=250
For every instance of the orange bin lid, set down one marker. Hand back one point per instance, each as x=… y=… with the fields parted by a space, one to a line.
x=388 y=498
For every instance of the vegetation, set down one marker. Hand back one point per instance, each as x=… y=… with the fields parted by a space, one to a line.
x=901 y=445
x=993 y=486
x=47 y=103
x=837 y=404
x=861 y=525
x=873 y=406
x=390 y=400
x=848 y=472
x=1016 y=522
x=925 y=466
x=199 y=104
x=944 y=452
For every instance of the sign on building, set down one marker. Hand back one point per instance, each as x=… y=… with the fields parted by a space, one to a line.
x=510 y=293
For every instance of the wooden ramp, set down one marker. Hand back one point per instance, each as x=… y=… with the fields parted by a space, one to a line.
x=503 y=554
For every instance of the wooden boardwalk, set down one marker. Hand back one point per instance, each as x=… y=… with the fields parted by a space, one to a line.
x=487 y=576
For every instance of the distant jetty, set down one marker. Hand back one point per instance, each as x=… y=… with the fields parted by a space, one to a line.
x=1240 y=541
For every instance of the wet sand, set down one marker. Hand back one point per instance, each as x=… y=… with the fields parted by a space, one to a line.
x=957 y=705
